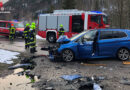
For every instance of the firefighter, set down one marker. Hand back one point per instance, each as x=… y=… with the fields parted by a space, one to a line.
x=61 y=30
x=33 y=38
x=26 y=35
x=12 y=33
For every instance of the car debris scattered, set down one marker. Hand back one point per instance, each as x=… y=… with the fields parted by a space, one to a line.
x=125 y=81
x=71 y=77
x=126 y=62
x=27 y=64
x=88 y=64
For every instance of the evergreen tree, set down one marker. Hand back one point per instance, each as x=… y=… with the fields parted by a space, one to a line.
x=69 y=4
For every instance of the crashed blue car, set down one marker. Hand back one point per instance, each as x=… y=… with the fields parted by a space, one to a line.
x=100 y=43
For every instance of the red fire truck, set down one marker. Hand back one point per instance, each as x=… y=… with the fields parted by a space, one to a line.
x=74 y=21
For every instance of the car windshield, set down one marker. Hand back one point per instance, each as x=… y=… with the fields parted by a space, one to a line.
x=19 y=25
x=78 y=35
x=90 y=35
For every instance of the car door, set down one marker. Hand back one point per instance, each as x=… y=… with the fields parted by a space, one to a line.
x=8 y=27
x=85 y=46
x=107 y=43
x=3 y=28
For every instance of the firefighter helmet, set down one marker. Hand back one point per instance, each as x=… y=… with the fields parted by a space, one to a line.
x=12 y=25
x=27 y=24
x=33 y=23
x=61 y=25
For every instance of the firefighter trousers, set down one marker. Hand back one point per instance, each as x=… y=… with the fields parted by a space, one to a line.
x=11 y=37
x=32 y=49
x=26 y=43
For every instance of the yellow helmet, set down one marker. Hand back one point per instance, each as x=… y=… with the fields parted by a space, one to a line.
x=33 y=23
x=61 y=25
x=27 y=24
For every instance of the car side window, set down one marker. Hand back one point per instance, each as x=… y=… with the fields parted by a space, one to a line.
x=119 y=34
x=106 y=35
x=2 y=24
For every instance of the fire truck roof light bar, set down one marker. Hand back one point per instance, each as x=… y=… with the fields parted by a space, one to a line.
x=75 y=11
x=71 y=12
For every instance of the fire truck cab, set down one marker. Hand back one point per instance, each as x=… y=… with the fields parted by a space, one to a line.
x=74 y=21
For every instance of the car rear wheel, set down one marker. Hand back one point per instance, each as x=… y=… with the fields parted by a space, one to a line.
x=123 y=54
x=68 y=55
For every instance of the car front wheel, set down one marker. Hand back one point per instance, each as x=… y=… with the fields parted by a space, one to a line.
x=123 y=54
x=67 y=55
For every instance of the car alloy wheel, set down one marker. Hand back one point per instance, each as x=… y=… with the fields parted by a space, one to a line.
x=123 y=54
x=68 y=55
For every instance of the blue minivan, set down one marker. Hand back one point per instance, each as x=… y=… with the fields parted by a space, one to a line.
x=100 y=43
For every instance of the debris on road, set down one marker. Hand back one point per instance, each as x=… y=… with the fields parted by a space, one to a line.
x=49 y=88
x=26 y=63
x=7 y=56
x=71 y=77
x=20 y=66
x=88 y=64
x=111 y=69
x=88 y=86
x=125 y=82
x=101 y=78
x=96 y=87
x=126 y=63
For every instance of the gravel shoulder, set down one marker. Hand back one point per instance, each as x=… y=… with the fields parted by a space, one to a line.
x=114 y=71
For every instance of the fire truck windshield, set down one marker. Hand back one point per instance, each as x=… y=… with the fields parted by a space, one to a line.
x=96 y=18
x=19 y=25
x=105 y=19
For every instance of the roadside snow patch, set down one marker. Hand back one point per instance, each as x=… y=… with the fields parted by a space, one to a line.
x=7 y=56
x=39 y=37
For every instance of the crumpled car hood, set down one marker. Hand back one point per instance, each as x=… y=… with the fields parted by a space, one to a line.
x=63 y=39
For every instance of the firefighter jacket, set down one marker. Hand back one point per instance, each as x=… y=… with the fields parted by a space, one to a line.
x=61 y=31
x=12 y=30
x=26 y=32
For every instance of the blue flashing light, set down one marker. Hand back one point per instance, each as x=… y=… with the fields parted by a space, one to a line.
x=99 y=12
x=15 y=20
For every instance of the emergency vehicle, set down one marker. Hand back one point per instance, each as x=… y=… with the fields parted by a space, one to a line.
x=5 y=25
x=74 y=21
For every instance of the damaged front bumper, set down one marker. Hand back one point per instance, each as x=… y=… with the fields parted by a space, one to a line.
x=53 y=53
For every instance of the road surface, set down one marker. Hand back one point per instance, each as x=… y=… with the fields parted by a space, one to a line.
x=50 y=72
